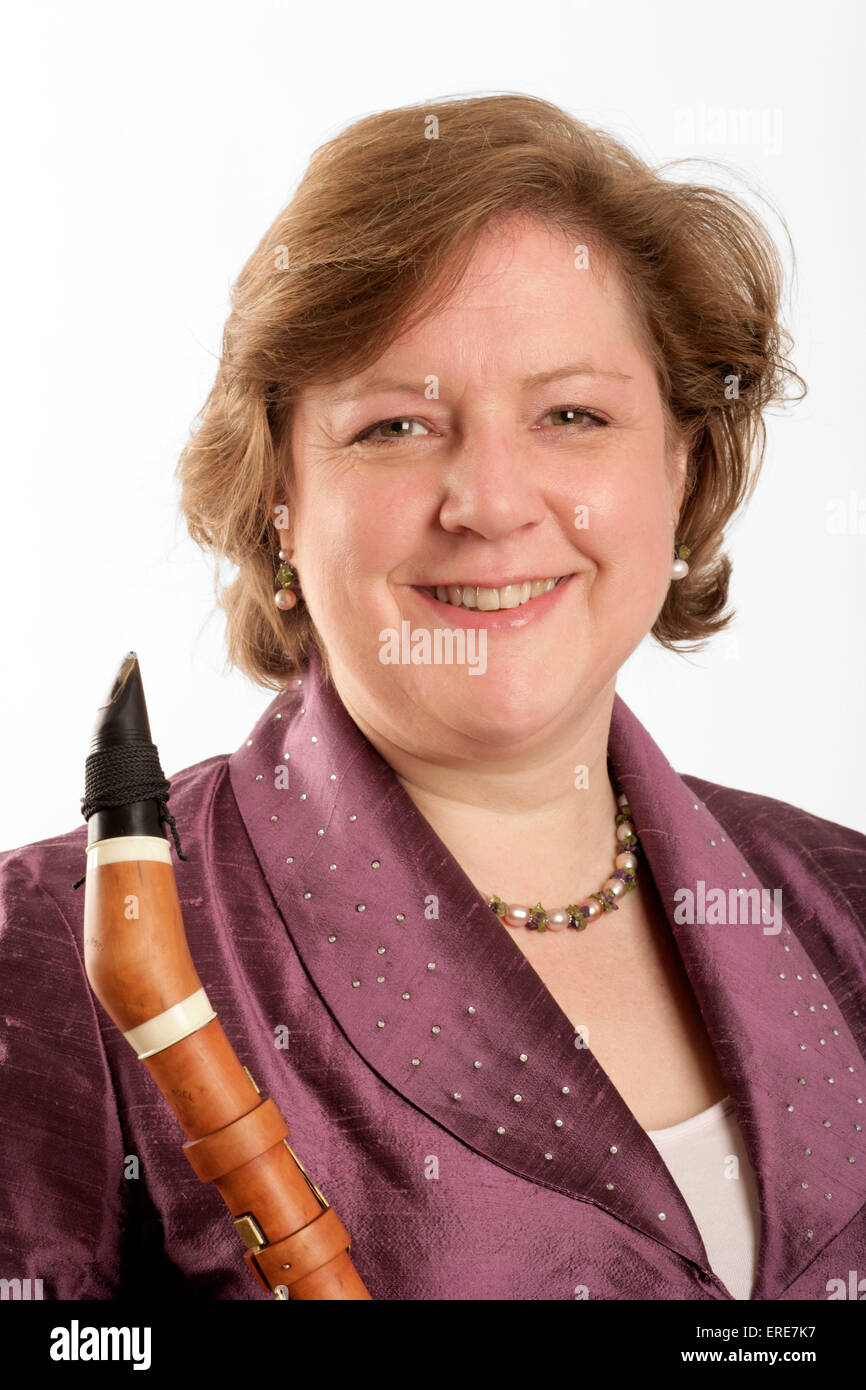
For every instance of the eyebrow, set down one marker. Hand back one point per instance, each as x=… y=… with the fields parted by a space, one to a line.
x=354 y=393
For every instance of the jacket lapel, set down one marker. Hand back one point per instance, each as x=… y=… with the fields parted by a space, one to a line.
x=793 y=1067
x=441 y=1003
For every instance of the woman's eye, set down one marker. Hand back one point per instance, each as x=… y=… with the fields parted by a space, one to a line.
x=576 y=411
x=399 y=420
x=582 y=419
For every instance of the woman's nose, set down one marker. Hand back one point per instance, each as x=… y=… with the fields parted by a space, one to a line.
x=491 y=486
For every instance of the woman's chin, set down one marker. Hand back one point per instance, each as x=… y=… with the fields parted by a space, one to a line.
x=499 y=708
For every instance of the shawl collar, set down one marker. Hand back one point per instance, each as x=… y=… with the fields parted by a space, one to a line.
x=354 y=867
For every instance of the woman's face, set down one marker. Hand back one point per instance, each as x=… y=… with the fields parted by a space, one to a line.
x=517 y=435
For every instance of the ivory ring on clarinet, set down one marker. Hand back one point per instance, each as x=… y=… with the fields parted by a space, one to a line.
x=122 y=848
x=169 y=1027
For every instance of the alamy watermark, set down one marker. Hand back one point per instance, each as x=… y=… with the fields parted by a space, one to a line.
x=76 y=1343
x=443 y=646
x=731 y=906
x=701 y=125
x=24 y=1289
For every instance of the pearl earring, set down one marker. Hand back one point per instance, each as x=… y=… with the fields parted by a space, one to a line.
x=284 y=598
x=679 y=568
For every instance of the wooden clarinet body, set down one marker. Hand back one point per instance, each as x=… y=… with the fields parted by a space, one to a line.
x=139 y=966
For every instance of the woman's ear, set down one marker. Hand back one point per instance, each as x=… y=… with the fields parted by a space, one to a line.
x=280 y=514
x=678 y=468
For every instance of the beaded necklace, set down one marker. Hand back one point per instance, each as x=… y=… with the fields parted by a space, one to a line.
x=579 y=915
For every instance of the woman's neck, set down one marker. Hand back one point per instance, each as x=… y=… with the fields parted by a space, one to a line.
x=541 y=829
x=557 y=851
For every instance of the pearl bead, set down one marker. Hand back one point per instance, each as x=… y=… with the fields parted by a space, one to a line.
x=558 y=920
x=594 y=908
x=615 y=887
x=626 y=860
x=679 y=569
x=516 y=916
x=622 y=799
x=285 y=599
x=623 y=831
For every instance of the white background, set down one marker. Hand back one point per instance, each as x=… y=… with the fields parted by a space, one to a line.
x=148 y=149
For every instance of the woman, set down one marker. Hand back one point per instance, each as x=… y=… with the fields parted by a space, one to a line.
x=548 y=1020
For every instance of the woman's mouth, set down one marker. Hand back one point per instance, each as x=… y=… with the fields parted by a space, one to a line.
x=504 y=607
x=487 y=600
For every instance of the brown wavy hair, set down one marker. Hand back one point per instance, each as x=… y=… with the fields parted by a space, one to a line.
x=379 y=232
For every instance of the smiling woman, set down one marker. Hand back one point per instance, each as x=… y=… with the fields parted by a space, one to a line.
x=490 y=371
x=484 y=495
x=680 y=278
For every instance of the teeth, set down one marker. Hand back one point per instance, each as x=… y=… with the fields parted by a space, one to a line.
x=491 y=600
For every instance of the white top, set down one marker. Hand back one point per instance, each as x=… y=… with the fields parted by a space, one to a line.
x=707 y=1159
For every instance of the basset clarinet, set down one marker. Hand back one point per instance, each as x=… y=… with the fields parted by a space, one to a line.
x=140 y=969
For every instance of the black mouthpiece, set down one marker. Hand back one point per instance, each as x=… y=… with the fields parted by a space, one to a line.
x=125 y=788
x=122 y=716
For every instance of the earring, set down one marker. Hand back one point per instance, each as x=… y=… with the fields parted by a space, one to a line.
x=679 y=568
x=284 y=598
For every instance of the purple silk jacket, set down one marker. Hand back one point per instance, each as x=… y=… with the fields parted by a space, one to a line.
x=394 y=1041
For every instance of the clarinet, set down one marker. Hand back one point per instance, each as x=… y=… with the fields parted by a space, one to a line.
x=139 y=966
